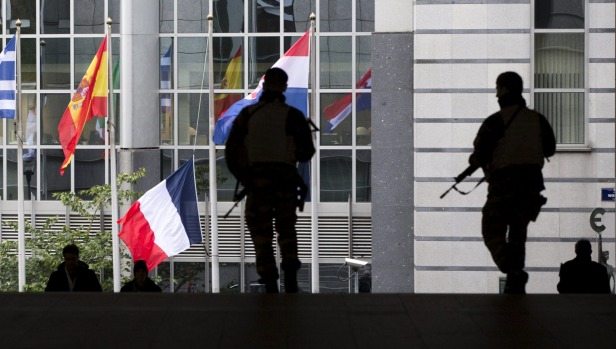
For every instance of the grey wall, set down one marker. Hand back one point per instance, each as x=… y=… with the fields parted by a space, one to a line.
x=392 y=159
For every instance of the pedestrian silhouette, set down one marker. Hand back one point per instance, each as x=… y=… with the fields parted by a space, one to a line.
x=73 y=275
x=265 y=143
x=141 y=281
x=510 y=147
x=581 y=274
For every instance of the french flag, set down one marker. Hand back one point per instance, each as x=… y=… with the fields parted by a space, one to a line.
x=340 y=109
x=165 y=220
x=296 y=63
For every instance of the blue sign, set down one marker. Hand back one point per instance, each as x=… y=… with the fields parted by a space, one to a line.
x=607 y=194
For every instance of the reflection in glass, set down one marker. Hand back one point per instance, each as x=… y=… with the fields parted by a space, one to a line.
x=191 y=55
x=165 y=13
x=55 y=17
x=301 y=15
x=228 y=63
x=264 y=16
x=188 y=277
x=228 y=16
x=166 y=118
x=192 y=17
x=193 y=118
x=52 y=108
x=84 y=52
x=166 y=163
x=229 y=277
x=335 y=15
x=559 y=60
x=363 y=55
x=263 y=53
x=336 y=123
x=565 y=112
x=224 y=179
x=51 y=180
x=89 y=169
x=336 y=168
x=364 y=18
x=363 y=163
x=11 y=172
x=331 y=279
x=89 y=17
x=561 y=14
x=114 y=13
x=55 y=64
x=25 y=10
x=335 y=67
x=28 y=64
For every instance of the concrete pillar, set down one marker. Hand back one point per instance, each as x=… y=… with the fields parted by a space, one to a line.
x=392 y=148
x=139 y=83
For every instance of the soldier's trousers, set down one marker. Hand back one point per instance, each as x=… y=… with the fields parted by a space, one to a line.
x=267 y=203
x=504 y=229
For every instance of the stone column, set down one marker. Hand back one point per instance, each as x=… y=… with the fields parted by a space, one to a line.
x=139 y=102
x=392 y=148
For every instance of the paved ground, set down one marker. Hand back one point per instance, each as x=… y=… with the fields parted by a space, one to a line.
x=306 y=321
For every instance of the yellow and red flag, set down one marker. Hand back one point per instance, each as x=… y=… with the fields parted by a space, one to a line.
x=90 y=100
x=232 y=80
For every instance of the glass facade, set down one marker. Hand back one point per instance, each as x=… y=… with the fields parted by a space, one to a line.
x=60 y=38
x=248 y=38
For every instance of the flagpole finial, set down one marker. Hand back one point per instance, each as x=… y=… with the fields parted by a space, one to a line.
x=210 y=17
x=313 y=16
x=18 y=22
x=109 y=21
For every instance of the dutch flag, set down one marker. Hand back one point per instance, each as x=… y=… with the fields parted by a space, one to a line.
x=296 y=63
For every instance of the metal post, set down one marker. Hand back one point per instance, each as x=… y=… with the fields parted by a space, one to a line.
x=212 y=165
x=115 y=239
x=314 y=189
x=21 y=234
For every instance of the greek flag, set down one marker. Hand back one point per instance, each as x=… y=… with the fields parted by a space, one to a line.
x=7 y=81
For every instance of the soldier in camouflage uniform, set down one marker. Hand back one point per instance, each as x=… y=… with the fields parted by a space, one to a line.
x=510 y=147
x=265 y=143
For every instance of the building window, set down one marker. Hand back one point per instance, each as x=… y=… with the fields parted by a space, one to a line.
x=560 y=67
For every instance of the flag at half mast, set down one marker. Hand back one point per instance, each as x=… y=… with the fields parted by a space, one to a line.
x=90 y=100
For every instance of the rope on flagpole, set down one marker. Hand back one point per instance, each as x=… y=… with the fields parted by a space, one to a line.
x=205 y=62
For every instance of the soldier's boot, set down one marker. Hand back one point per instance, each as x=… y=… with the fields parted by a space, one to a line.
x=290 y=282
x=516 y=282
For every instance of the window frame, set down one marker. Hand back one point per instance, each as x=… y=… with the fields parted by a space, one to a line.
x=585 y=145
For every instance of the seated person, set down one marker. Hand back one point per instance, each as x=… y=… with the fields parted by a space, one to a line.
x=73 y=275
x=581 y=274
x=141 y=282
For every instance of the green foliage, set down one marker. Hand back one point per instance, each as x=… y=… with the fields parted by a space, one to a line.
x=45 y=243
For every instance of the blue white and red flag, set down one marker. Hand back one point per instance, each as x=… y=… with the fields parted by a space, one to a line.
x=296 y=63
x=165 y=220
x=340 y=109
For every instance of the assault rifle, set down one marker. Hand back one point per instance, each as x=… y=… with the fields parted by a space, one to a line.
x=462 y=176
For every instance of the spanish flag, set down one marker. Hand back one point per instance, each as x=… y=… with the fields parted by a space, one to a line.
x=89 y=100
x=232 y=80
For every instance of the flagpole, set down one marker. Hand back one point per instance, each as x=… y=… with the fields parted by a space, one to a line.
x=21 y=234
x=212 y=165
x=314 y=190
x=115 y=240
